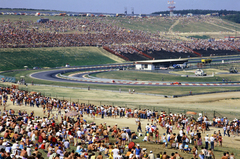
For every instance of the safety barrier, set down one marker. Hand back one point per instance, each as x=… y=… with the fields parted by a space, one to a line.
x=7 y=79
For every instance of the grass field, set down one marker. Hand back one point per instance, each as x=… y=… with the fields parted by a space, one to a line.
x=54 y=57
x=198 y=27
x=150 y=76
x=146 y=24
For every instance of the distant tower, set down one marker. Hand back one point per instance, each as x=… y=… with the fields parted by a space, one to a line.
x=171 y=6
x=132 y=10
x=125 y=10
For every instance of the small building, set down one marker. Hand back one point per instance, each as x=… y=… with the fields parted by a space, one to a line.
x=157 y=64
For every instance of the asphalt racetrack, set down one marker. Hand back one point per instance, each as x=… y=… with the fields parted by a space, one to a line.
x=56 y=75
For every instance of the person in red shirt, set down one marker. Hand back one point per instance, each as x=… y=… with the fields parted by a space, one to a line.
x=43 y=145
x=53 y=124
x=40 y=139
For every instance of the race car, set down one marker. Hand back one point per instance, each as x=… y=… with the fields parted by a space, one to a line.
x=175 y=83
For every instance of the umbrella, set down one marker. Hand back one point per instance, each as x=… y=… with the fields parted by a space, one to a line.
x=191 y=113
x=131 y=145
x=71 y=113
x=153 y=128
x=33 y=92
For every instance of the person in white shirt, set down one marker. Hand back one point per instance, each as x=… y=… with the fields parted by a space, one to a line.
x=137 y=120
x=181 y=132
x=29 y=151
x=206 y=138
x=119 y=156
x=115 y=152
x=147 y=127
x=151 y=155
x=79 y=133
x=212 y=142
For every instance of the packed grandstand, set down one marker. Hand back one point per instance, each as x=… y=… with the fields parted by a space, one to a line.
x=128 y=44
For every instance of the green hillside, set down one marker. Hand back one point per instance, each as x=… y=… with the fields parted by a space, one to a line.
x=53 y=57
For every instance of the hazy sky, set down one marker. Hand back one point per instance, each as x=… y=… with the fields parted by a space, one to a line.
x=117 y=6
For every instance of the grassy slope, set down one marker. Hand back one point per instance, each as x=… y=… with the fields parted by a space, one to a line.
x=152 y=25
x=149 y=76
x=53 y=57
x=198 y=27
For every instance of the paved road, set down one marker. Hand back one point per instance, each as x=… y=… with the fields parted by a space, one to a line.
x=53 y=75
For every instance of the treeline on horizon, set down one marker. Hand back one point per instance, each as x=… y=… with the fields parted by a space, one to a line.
x=234 y=18
x=231 y=15
x=199 y=11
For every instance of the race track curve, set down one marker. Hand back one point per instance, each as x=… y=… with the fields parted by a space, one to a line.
x=55 y=75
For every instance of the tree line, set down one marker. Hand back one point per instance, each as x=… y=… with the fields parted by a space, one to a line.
x=199 y=11
x=234 y=18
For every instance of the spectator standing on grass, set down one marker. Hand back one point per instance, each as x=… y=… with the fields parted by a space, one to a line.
x=212 y=139
x=151 y=155
x=224 y=156
x=206 y=141
x=115 y=152
x=232 y=156
x=138 y=151
x=139 y=126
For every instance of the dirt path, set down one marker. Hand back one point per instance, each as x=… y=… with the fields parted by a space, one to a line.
x=174 y=24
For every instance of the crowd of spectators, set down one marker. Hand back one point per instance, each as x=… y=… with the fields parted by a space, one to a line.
x=25 y=134
x=82 y=32
x=78 y=33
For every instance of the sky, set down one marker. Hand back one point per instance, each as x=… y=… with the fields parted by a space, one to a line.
x=117 y=6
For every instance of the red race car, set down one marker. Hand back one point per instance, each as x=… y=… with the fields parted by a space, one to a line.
x=175 y=83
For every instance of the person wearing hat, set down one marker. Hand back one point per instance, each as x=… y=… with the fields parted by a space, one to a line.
x=151 y=155
x=138 y=151
x=43 y=145
x=59 y=151
x=212 y=139
x=36 y=151
x=145 y=154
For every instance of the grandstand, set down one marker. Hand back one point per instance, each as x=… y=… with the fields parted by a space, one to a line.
x=210 y=52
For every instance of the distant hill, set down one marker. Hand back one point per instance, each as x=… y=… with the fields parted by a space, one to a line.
x=199 y=11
